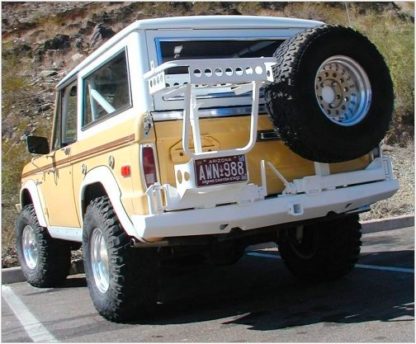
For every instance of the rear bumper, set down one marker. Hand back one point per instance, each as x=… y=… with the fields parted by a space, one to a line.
x=261 y=213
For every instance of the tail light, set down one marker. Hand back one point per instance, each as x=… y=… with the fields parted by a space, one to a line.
x=149 y=165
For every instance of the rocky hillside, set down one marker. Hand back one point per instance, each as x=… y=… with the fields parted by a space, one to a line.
x=42 y=41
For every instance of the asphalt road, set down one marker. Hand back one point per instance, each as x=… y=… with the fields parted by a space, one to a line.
x=255 y=300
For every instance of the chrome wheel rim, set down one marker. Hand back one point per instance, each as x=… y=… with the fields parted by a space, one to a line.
x=99 y=260
x=343 y=90
x=30 y=247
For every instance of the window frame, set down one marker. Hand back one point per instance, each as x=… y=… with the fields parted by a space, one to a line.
x=62 y=104
x=124 y=108
x=57 y=128
x=154 y=37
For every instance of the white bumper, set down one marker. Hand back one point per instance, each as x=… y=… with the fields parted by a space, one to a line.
x=261 y=213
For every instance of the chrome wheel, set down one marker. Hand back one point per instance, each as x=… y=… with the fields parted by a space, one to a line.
x=343 y=90
x=30 y=247
x=99 y=260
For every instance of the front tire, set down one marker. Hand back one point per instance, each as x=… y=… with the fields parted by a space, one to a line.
x=322 y=251
x=45 y=261
x=122 y=280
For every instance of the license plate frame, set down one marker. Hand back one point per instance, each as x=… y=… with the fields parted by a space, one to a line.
x=218 y=171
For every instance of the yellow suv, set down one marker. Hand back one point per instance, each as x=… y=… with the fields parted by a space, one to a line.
x=203 y=135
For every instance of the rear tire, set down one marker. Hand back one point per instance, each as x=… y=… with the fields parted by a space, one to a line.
x=122 y=280
x=45 y=261
x=327 y=250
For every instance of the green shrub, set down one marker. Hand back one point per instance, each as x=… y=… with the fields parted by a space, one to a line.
x=394 y=37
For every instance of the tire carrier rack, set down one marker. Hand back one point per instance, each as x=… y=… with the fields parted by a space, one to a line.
x=241 y=75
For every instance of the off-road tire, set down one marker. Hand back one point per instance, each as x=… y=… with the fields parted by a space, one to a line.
x=329 y=250
x=292 y=103
x=133 y=272
x=54 y=256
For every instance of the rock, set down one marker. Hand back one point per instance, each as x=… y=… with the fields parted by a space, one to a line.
x=48 y=73
x=45 y=107
x=101 y=32
x=102 y=17
x=77 y=57
x=387 y=148
x=79 y=43
x=19 y=50
x=59 y=65
x=59 y=42
x=22 y=50
x=86 y=28
x=235 y=12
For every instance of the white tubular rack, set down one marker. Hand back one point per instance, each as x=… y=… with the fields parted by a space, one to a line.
x=241 y=75
x=299 y=197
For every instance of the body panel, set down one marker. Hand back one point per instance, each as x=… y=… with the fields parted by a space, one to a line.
x=232 y=132
x=58 y=190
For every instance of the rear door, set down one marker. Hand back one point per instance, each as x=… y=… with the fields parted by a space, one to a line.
x=225 y=117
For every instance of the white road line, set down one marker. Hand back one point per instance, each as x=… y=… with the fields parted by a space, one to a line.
x=33 y=327
x=263 y=255
x=361 y=266
x=385 y=268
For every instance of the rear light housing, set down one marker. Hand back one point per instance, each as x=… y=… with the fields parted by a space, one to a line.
x=149 y=168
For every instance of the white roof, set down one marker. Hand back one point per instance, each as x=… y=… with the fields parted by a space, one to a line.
x=223 y=22
x=197 y=23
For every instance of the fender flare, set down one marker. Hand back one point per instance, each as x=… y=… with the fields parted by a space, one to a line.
x=32 y=188
x=105 y=177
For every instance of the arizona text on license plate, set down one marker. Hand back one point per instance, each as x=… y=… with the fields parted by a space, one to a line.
x=229 y=169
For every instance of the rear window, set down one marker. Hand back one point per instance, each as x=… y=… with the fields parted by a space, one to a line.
x=170 y=50
x=219 y=100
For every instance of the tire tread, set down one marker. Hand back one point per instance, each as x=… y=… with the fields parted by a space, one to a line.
x=283 y=103
x=54 y=254
x=337 y=253
x=132 y=290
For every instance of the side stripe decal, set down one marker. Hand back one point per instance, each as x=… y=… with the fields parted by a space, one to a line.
x=80 y=156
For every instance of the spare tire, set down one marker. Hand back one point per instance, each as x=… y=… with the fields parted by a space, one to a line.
x=332 y=95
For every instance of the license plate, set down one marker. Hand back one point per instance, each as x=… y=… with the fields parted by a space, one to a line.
x=229 y=169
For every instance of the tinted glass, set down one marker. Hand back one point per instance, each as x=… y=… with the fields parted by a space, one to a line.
x=106 y=90
x=69 y=111
x=204 y=49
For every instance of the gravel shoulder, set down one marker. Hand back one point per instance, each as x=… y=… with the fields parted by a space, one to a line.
x=403 y=202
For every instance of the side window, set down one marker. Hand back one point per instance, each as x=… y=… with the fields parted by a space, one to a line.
x=65 y=131
x=69 y=115
x=106 y=90
x=57 y=127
